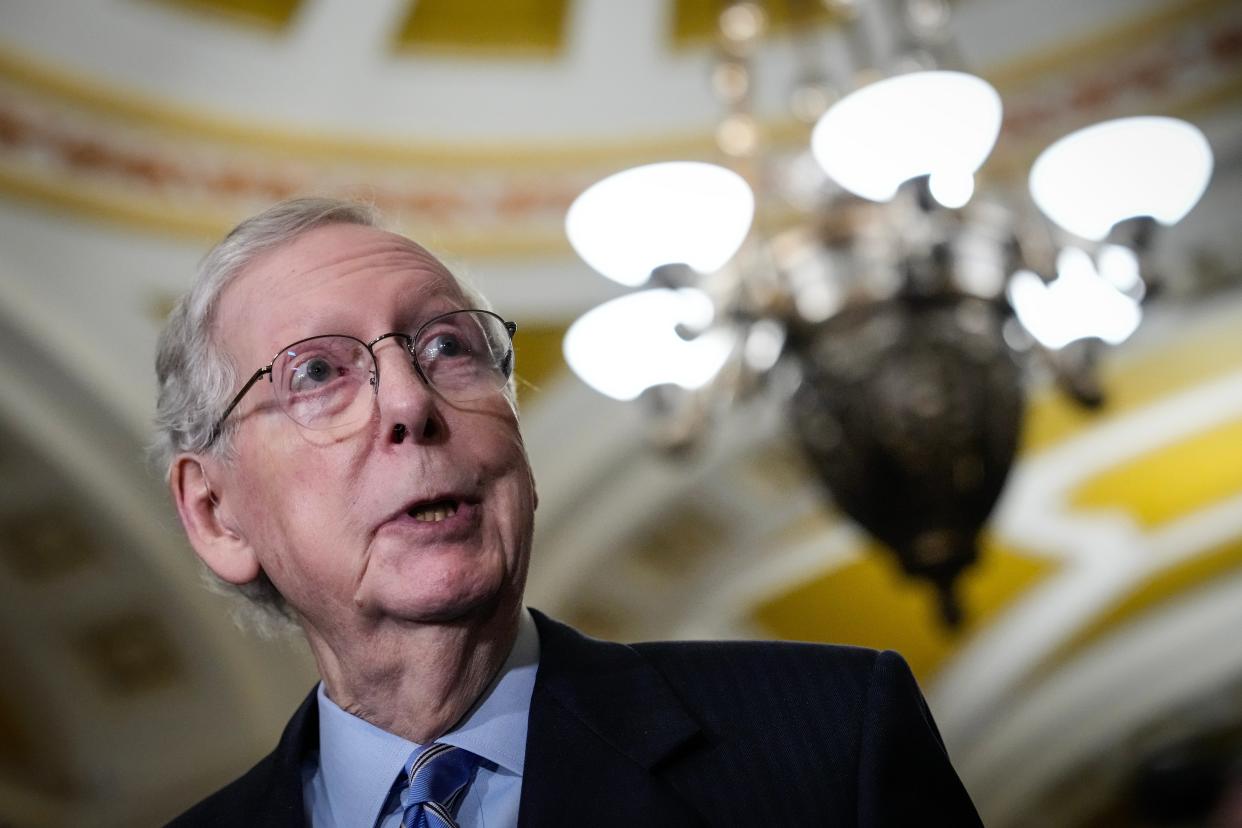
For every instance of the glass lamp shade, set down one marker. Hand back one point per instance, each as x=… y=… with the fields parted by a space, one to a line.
x=940 y=124
x=678 y=212
x=1148 y=166
x=1080 y=303
x=629 y=344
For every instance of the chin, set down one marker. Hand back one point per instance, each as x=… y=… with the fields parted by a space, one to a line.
x=474 y=602
x=443 y=588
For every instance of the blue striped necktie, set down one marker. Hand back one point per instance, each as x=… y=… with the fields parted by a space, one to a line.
x=438 y=775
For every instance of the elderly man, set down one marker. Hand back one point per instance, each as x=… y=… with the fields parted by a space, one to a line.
x=369 y=483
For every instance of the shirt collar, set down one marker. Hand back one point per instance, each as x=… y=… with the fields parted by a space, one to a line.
x=496 y=727
x=359 y=762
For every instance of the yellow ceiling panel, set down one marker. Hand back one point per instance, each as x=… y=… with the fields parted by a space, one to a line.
x=537 y=356
x=1193 y=357
x=1157 y=590
x=478 y=27
x=271 y=14
x=695 y=21
x=1173 y=481
x=869 y=603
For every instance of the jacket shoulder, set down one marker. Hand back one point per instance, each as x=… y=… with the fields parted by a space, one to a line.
x=854 y=714
x=834 y=656
x=231 y=804
x=773 y=669
x=823 y=712
x=764 y=690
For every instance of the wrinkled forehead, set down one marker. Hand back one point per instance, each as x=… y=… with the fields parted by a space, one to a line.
x=336 y=252
x=341 y=278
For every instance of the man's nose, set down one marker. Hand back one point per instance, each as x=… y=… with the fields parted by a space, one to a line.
x=409 y=407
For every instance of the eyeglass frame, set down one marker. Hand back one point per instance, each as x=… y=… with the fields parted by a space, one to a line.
x=509 y=326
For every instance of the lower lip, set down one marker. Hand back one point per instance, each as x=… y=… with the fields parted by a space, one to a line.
x=458 y=525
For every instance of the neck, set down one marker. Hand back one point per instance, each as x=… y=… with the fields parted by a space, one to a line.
x=413 y=679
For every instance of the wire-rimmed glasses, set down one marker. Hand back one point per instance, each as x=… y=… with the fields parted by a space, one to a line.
x=330 y=381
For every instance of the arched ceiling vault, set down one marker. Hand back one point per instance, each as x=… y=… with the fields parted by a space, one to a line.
x=133 y=132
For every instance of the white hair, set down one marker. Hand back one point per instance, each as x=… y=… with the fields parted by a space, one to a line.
x=197 y=378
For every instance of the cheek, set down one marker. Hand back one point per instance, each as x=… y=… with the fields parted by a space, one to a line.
x=516 y=493
x=299 y=505
x=503 y=457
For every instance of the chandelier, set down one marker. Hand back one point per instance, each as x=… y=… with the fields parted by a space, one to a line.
x=892 y=305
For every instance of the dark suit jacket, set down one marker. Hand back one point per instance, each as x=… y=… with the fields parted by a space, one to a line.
x=688 y=733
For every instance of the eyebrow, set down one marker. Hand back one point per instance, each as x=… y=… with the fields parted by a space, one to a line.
x=412 y=319
x=407 y=319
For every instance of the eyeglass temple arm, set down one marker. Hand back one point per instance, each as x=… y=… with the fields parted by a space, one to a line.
x=219 y=426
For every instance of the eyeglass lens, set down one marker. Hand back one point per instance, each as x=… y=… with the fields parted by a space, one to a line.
x=329 y=381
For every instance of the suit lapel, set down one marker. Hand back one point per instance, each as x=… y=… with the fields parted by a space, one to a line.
x=275 y=784
x=602 y=720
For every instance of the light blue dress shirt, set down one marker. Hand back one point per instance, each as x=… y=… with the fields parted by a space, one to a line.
x=352 y=784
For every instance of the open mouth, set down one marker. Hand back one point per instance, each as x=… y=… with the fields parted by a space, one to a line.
x=434 y=511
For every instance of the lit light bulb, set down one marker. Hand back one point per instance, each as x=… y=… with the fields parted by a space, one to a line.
x=1120 y=266
x=629 y=344
x=1149 y=166
x=941 y=124
x=677 y=212
x=764 y=343
x=1078 y=304
x=952 y=189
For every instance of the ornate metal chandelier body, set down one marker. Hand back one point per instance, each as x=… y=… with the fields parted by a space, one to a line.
x=907 y=306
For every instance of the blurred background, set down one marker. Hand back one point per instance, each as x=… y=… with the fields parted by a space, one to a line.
x=1082 y=651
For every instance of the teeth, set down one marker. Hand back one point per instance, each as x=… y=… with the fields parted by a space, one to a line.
x=434 y=512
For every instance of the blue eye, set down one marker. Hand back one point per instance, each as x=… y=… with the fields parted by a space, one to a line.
x=317 y=370
x=314 y=372
x=446 y=345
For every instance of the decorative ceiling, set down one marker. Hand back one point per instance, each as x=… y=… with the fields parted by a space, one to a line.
x=133 y=132
x=139 y=150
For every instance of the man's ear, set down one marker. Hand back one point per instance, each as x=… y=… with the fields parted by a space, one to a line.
x=211 y=530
